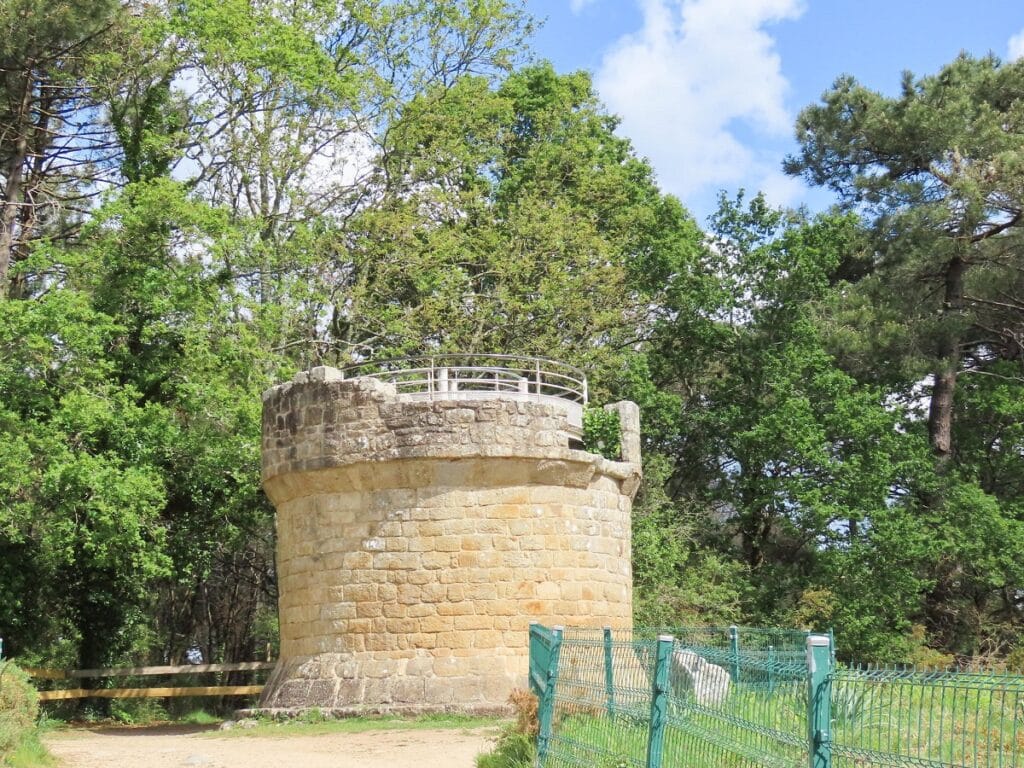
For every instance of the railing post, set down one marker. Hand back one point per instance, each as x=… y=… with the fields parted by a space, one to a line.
x=609 y=682
x=819 y=701
x=771 y=670
x=659 y=702
x=546 y=709
x=734 y=647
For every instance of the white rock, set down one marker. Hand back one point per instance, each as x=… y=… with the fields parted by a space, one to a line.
x=690 y=672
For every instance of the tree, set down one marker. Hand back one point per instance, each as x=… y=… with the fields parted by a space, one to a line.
x=938 y=172
x=784 y=468
x=54 y=146
x=936 y=305
x=514 y=219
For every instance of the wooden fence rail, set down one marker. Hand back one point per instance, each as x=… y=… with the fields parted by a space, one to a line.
x=148 y=693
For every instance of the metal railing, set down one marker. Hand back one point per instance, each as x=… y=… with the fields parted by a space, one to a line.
x=485 y=376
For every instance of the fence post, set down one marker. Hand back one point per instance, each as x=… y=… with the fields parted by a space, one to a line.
x=609 y=682
x=734 y=645
x=771 y=670
x=819 y=700
x=546 y=708
x=659 y=702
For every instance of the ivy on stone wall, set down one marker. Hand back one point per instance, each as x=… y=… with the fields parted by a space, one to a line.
x=602 y=432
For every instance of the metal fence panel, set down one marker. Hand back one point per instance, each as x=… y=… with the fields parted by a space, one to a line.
x=891 y=717
x=769 y=698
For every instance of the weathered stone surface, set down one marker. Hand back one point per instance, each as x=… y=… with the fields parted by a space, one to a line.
x=416 y=540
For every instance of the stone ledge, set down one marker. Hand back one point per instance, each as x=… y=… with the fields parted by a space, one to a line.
x=566 y=468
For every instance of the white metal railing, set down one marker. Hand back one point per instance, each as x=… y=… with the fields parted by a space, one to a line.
x=474 y=377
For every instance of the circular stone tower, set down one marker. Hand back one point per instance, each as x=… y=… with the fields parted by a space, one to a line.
x=425 y=516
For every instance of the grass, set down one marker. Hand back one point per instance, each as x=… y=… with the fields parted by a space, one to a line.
x=878 y=719
x=312 y=725
x=30 y=753
x=200 y=717
x=698 y=737
x=512 y=750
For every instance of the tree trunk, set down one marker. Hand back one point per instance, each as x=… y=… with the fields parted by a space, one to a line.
x=940 y=411
x=11 y=202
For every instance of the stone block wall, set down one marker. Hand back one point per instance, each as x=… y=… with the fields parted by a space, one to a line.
x=417 y=540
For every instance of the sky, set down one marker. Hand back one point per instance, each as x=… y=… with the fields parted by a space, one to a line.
x=708 y=90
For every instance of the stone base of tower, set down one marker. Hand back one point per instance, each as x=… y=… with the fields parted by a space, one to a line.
x=341 y=685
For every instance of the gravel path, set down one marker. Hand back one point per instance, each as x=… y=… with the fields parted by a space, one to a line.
x=181 y=747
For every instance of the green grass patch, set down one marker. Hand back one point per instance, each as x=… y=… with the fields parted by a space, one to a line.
x=200 y=717
x=512 y=750
x=313 y=724
x=30 y=753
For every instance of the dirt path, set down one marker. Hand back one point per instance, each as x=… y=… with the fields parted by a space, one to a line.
x=179 y=747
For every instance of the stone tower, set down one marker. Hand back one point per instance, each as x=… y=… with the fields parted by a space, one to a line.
x=425 y=517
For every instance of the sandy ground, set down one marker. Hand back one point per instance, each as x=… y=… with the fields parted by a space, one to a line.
x=181 y=747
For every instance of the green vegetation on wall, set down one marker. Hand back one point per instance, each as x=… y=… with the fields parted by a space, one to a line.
x=602 y=432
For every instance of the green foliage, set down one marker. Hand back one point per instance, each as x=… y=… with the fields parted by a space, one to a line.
x=381 y=179
x=512 y=750
x=138 y=711
x=677 y=581
x=932 y=312
x=19 y=708
x=602 y=432
x=200 y=717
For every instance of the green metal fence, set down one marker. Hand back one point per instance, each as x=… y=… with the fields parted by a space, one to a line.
x=927 y=718
x=739 y=698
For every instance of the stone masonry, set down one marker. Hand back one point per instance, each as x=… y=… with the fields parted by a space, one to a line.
x=417 y=540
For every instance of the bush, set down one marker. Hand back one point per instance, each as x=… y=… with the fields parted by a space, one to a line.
x=602 y=432
x=516 y=747
x=19 y=708
x=512 y=750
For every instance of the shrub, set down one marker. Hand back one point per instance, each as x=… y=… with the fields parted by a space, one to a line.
x=602 y=432
x=526 y=708
x=512 y=750
x=19 y=708
x=516 y=747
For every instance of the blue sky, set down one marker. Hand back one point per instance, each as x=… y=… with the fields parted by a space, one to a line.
x=708 y=89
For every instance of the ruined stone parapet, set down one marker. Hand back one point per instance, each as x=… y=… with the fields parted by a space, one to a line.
x=418 y=539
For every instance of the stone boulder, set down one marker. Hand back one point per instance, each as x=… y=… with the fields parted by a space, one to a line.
x=708 y=682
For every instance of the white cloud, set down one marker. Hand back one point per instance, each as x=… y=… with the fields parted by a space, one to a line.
x=779 y=189
x=578 y=5
x=684 y=83
x=1016 y=46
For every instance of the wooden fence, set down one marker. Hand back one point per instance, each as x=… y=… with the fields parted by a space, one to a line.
x=148 y=693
